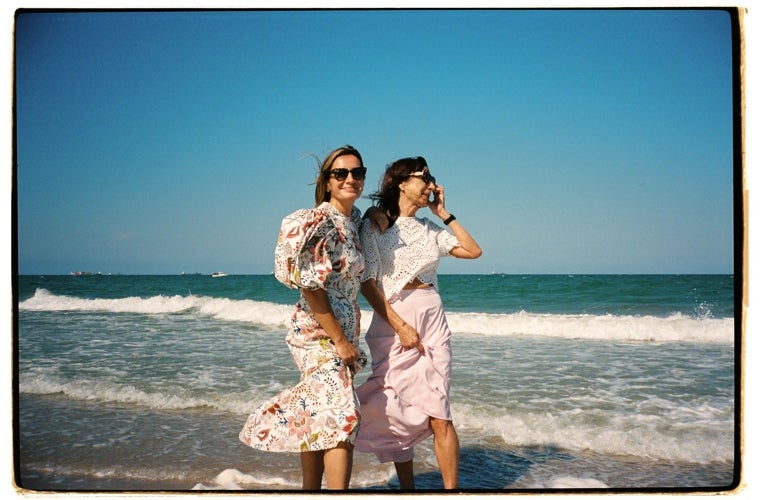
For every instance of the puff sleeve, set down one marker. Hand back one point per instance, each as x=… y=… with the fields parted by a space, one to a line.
x=305 y=243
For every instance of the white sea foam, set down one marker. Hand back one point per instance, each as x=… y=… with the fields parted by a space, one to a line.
x=233 y=479
x=674 y=328
x=113 y=392
x=615 y=392
x=605 y=432
x=569 y=482
x=251 y=311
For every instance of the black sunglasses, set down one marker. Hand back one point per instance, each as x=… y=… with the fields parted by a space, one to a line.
x=425 y=176
x=341 y=174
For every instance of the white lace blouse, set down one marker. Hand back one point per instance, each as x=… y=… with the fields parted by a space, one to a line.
x=410 y=248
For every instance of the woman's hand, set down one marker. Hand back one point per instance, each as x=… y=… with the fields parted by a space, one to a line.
x=409 y=338
x=322 y=311
x=348 y=353
x=438 y=205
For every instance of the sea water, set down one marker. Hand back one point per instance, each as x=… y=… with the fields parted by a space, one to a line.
x=142 y=383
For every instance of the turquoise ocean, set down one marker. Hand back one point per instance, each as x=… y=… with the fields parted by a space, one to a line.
x=601 y=382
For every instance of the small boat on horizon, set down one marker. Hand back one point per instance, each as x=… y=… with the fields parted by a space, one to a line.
x=218 y=275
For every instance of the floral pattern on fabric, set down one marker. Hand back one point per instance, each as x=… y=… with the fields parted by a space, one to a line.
x=316 y=249
x=316 y=414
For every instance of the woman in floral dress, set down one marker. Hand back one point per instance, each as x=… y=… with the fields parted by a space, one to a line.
x=318 y=252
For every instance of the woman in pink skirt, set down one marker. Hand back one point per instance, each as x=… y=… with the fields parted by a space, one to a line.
x=406 y=398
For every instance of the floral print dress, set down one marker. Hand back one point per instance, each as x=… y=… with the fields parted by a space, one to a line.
x=316 y=249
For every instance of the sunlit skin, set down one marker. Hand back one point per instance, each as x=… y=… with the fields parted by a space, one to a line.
x=336 y=462
x=344 y=193
x=415 y=194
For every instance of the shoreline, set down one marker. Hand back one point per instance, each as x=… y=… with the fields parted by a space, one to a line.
x=528 y=470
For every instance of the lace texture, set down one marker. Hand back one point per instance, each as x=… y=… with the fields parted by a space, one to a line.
x=411 y=248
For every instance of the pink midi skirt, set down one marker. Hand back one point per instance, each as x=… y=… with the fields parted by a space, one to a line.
x=406 y=387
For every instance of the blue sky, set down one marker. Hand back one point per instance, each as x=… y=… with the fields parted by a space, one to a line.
x=568 y=141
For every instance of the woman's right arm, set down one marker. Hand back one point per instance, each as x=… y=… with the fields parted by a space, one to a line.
x=322 y=311
x=303 y=260
x=407 y=335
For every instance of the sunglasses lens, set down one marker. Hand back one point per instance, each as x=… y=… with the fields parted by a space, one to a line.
x=340 y=173
x=357 y=173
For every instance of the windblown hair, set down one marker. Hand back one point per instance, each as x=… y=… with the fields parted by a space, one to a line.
x=320 y=192
x=387 y=197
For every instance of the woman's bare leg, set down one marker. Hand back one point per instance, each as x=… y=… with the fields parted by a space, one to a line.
x=446 y=445
x=405 y=473
x=338 y=463
x=312 y=467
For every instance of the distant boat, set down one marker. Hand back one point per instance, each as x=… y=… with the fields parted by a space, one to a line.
x=218 y=275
